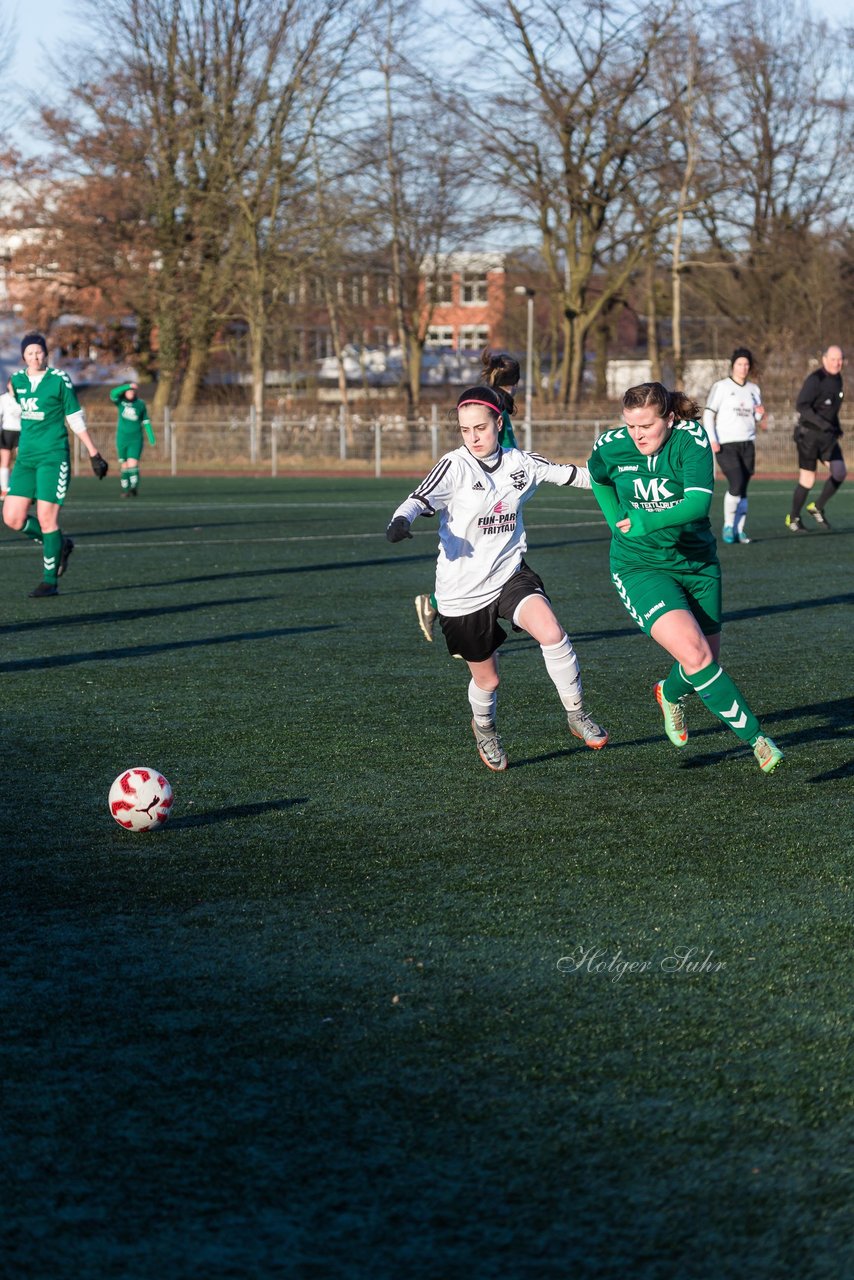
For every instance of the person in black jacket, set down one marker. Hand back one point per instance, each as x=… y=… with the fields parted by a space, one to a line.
x=817 y=437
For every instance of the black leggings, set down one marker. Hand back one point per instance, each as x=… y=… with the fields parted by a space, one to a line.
x=738 y=462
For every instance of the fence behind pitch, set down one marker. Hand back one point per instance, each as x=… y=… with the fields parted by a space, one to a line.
x=240 y=443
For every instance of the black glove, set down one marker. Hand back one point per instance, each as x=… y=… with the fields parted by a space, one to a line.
x=398 y=529
x=99 y=465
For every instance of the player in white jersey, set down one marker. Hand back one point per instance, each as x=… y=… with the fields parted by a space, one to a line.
x=479 y=491
x=733 y=408
x=10 y=435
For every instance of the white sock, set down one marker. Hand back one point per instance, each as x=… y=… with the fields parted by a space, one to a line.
x=482 y=704
x=562 y=666
x=4 y=478
x=740 y=514
x=730 y=507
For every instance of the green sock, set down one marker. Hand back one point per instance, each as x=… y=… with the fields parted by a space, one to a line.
x=676 y=684
x=124 y=477
x=133 y=477
x=32 y=529
x=725 y=700
x=51 y=553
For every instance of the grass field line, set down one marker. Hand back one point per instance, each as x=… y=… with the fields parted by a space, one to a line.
x=107 y=544
x=382 y=504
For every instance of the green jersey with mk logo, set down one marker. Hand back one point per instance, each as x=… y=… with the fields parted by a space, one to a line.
x=46 y=401
x=651 y=490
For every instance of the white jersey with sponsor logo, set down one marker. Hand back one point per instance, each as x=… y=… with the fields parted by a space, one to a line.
x=481 y=533
x=10 y=413
x=730 y=412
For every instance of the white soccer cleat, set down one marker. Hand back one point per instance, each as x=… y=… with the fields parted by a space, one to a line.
x=490 y=747
x=583 y=726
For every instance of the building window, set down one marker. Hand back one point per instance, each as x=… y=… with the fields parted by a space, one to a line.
x=440 y=335
x=381 y=336
x=473 y=287
x=473 y=337
x=383 y=291
x=323 y=347
x=442 y=284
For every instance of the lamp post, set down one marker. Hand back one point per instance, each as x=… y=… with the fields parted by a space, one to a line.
x=529 y=359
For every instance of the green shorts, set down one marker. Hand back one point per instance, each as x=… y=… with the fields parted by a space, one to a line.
x=129 y=444
x=650 y=593
x=44 y=481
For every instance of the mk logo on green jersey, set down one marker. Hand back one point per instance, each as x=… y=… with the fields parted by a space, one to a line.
x=653 y=490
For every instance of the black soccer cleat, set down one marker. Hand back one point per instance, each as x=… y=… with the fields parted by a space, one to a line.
x=794 y=525
x=65 y=555
x=45 y=589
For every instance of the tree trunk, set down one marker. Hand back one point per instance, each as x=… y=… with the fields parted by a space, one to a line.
x=193 y=376
x=575 y=380
x=603 y=335
x=652 y=347
x=578 y=363
x=414 y=371
x=566 y=361
x=167 y=335
x=162 y=394
x=257 y=365
x=676 y=294
x=335 y=331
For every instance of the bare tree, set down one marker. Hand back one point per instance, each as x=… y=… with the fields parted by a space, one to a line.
x=579 y=112
x=780 y=127
x=416 y=185
x=277 y=179
x=206 y=124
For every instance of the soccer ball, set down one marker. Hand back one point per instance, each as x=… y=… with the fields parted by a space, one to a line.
x=140 y=799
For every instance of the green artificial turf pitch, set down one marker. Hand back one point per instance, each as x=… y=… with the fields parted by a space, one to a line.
x=360 y=1009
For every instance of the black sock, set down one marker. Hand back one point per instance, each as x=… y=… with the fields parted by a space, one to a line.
x=799 y=497
x=830 y=487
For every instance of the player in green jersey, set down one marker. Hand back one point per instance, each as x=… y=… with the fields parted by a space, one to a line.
x=43 y=466
x=500 y=370
x=133 y=418
x=653 y=478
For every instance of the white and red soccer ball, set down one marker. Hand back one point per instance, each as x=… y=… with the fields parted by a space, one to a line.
x=140 y=799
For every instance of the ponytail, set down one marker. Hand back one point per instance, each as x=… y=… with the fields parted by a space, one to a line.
x=656 y=395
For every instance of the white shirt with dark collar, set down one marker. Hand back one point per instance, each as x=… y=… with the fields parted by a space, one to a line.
x=730 y=412
x=481 y=531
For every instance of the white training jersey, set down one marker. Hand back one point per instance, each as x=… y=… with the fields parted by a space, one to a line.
x=730 y=412
x=481 y=533
x=10 y=413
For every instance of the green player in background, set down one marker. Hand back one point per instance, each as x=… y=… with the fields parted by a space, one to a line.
x=653 y=478
x=43 y=466
x=133 y=418
x=500 y=371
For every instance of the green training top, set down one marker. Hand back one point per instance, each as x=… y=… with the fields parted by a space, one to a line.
x=44 y=408
x=667 y=495
x=132 y=413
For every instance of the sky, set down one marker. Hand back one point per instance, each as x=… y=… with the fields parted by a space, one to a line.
x=49 y=26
